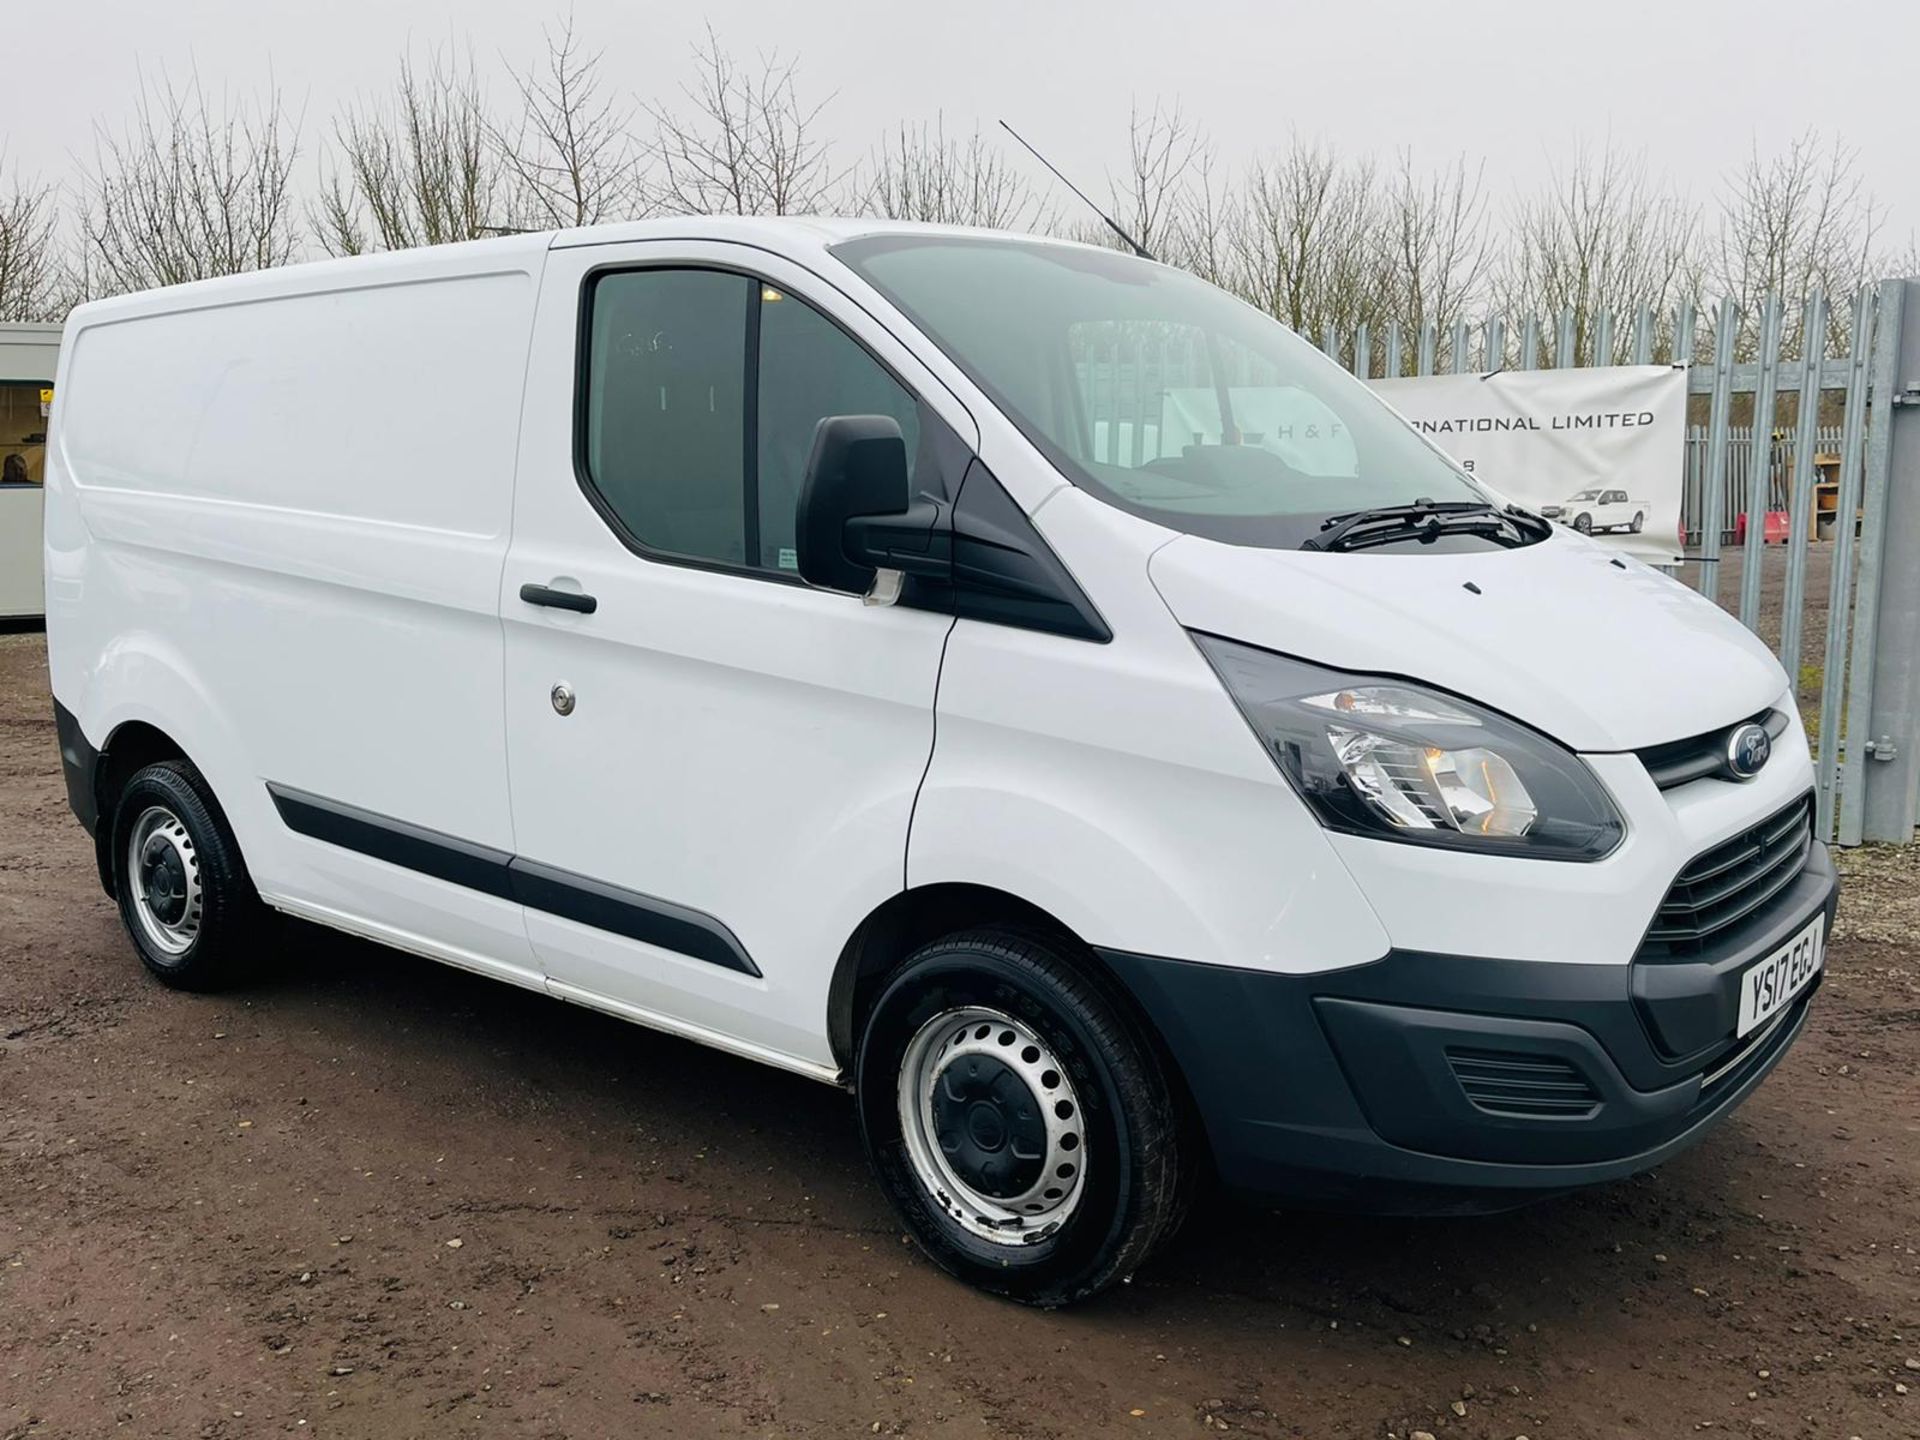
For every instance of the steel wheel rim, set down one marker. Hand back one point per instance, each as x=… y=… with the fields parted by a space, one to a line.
x=956 y=1054
x=163 y=881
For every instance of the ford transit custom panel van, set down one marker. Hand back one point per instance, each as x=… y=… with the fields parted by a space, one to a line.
x=1013 y=680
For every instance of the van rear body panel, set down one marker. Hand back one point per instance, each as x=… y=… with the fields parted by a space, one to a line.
x=289 y=500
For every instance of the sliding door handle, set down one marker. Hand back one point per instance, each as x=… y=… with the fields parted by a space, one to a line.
x=558 y=599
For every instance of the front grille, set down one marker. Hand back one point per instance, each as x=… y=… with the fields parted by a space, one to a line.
x=1678 y=762
x=1730 y=883
x=1505 y=1082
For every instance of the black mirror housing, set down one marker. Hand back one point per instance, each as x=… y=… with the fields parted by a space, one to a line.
x=856 y=514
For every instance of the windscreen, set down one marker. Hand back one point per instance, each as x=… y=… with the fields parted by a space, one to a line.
x=1156 y=391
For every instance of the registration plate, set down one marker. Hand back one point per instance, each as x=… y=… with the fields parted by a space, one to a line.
x=1769 y=985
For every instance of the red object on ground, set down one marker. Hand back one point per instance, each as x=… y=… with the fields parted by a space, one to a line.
x=1774 y=532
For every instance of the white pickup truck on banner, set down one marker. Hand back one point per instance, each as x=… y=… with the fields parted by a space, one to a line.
x=1600 y=450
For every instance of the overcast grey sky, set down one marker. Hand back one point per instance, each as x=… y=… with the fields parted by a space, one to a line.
x=1693 y=83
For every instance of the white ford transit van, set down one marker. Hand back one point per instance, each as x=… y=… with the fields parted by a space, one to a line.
x=1011 y=679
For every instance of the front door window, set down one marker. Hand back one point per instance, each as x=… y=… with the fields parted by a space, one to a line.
x=703 y=390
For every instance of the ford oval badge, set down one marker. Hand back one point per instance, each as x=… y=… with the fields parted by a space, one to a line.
x=1748 y=749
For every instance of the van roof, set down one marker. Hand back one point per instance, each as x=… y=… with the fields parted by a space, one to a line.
x=796 y=231
x=788 y=234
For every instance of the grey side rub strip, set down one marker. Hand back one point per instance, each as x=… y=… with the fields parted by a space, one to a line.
x=552 y=891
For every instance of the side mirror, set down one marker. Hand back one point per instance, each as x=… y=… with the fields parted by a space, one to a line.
x=857 y=517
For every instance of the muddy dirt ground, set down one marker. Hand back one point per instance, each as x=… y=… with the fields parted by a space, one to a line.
x=373 y=1197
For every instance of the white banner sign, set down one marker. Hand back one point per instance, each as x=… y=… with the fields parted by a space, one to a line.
x=1602 y=450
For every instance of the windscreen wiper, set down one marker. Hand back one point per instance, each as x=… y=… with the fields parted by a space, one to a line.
x=1358 y=528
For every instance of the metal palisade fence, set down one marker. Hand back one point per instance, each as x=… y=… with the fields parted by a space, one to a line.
x=1800 y=410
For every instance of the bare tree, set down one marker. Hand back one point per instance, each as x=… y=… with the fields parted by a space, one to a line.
x=1314 y=238
x=1601 y=237
x=1302 y=246
x=572 y=154
x=1432 y=246
x=189 y=191
x=30 y=270
x=1793 y=223
x=1164 y=151
x=420 y=168
x=745 y=143
x=923 y=175
x=1902 y=260
x=1207 y=217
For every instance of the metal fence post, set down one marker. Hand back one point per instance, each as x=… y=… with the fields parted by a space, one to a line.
x=1813 y=353
x=1881 y=766
x=1760 y=464
x=1714 y=503
x=1853 y=444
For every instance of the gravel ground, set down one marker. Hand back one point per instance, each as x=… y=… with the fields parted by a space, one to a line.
x=373 y=1197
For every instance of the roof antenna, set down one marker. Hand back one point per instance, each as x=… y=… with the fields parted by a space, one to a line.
x=1112 y=224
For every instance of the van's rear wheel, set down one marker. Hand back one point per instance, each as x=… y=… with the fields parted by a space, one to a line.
x=184 y=893
x=1020 y=1123
x=1639 y=521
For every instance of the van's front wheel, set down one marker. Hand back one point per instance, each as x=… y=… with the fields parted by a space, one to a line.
x=184 y=893
x=1019 y=1122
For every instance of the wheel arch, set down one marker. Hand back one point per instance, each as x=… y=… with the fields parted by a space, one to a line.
x=133 y=745
x=901 y=924
x=905 y=921
x=149 y=702
x=130 y=748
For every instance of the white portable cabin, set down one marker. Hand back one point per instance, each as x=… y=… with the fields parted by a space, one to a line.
x=28 y=357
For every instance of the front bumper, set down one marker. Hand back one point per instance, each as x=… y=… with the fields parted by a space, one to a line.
x=1434 y=1084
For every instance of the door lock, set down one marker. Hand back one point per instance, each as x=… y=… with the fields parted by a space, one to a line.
x=562 y=697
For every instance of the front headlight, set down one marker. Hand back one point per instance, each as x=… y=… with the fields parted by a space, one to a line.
x=1393 y=760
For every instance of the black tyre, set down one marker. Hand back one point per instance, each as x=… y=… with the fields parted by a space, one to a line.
x=1019 y=1121
x=1583 y=523
x=1639 y=520
x=184 y=893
